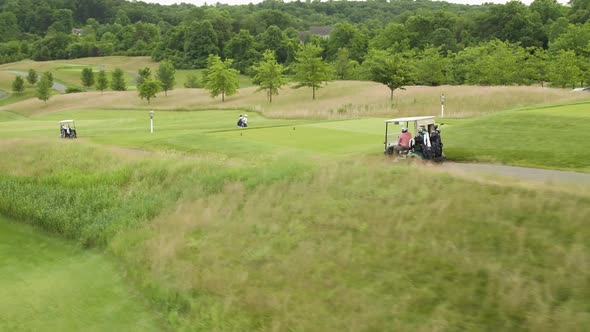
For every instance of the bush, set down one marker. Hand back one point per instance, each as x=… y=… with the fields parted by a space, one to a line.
x=73 y=90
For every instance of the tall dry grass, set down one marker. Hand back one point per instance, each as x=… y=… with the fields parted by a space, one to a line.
x=339 y=99
x=369 y=246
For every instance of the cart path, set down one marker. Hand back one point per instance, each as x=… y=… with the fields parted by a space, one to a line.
x=520 y=173
x=3 y=94
x=56 y=86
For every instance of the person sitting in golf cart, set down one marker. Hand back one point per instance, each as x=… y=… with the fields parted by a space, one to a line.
x=403 y=141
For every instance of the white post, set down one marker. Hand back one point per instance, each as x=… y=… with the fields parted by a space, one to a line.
x=152 y=122
x=442 y=105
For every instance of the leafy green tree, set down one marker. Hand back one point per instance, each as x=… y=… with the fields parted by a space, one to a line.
x=149 y=88
x=44 y=89
x=165 y=75
x=118 y=80
x=535 y=67
x=192 y=81
x=143 y=74
x=346 y=35
x=220 y=78
x=310 y=69
x=49 y=76
x=200 y=41
x=18 y=85
x=242 y=49
x=344 y=67
x=431 y=68
x=32 y=77
x=102 y=82
x=269 y=75
x=274 y=39
x=547 y=9
x=391 y=71
x=564 y=69
x=87 y=77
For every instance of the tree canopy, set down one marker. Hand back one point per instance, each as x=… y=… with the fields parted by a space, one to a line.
x=220 y=78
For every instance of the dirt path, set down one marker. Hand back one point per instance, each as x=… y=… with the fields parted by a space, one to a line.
x=56 y=86
x=520 y=173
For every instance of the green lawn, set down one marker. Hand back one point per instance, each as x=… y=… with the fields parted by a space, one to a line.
x=551 y=137
x=51 y=285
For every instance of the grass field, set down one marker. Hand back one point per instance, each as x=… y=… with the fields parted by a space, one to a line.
x=299 y=223
x=50 y=285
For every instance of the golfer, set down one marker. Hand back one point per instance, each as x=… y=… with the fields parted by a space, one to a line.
x=403 y=141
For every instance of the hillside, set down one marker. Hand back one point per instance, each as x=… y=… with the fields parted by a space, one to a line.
x=339 y=99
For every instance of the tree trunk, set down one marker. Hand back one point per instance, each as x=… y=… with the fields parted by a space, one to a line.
x=222 y=96
x=313 y=92
x=391 y=95
x=270 y=96
x=166 y=92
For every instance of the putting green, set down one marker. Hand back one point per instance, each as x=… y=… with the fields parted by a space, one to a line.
x=50 y=285
x=336 y=137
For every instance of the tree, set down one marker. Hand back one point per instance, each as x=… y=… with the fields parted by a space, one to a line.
x=220 y=78
x=87 y=77
x=200 y=41
x=149 y=88
x=241 y=49
x=564 y=69
x=269 y=75
x=32 y=77
x=118 y=80
x=49 y=76
x=102 y=81
x=391 y=71
x=192 y=81
x=143 y=74
x=44 y=89
x=431 y=68
x=343 y=66
x=18 y=85
x=310 y=70
x=165 y=75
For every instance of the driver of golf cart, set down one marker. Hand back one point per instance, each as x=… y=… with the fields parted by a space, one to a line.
x=403 y=141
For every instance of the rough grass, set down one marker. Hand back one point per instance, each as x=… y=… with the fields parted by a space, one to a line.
x=328 y=246
x=364 y=246
x=50 y=285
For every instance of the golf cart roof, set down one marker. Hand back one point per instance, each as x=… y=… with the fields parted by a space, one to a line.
x=66 y=121
x=411 y=118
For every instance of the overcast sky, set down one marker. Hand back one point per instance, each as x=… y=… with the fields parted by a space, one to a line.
x=242 y=2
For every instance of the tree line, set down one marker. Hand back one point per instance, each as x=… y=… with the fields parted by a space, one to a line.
x=436 y=41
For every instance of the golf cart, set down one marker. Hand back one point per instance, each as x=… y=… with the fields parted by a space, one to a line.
x=426 y=144
x=67 y=129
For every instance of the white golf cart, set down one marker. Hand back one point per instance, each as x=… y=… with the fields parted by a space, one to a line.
x=426 y=144
x=67 y=129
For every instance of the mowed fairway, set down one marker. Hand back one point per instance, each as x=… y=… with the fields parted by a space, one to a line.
x=50 y=285
x=551 y=137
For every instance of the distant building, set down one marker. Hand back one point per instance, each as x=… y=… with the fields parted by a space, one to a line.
x=77 y=32
x=322 y=32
